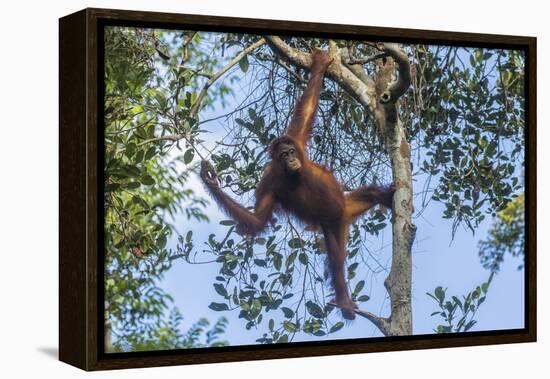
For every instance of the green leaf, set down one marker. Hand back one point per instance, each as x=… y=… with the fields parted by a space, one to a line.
x=290 y=260
x=150 y=153
x=481 y=300
x=440 y=294
x=469 y=325
x=256 y=308
x=506 y=78
x=218 y=307
x=353 y=266
x=336 y=327
x=139 y=156
x=227 y=222
x=111 y=187
x=303 y=258
x=283 y=339
x=148 y=180
x=220 y=289
x=457 y=301
x=289 y=326
x=359 y=286
x=130 y=149
x=260 y=262
x=296 y=243
x=243 y=64
x=161 y=241
x=130 y=171
x=314 y=310
x=188 y=156
x=224 y=164
x=289 y=313
x=136 y=199
x=277 y=261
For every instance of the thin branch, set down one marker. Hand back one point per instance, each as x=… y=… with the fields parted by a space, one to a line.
x=381 y=323
x=355 y=67
x=354 y=60
x=282 y=63
x=196 y=105
x=172 y=137
x=212 y=78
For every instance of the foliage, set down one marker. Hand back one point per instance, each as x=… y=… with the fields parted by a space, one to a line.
x=168 y=336
x=471 y=112
x=145 y=184
x=507 y=236
x=458 y=315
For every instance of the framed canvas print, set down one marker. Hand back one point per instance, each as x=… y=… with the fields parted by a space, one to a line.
x=237 y=189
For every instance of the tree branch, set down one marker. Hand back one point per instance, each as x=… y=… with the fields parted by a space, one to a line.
x=381 y=323
x=400 y=86
x=354 y=60
x=187 y=38
x=172 y=137
x=196 y=105
x=337 y=71
x=356 y=67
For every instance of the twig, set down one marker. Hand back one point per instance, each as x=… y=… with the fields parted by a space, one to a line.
x=381 y=323
x=196 y=105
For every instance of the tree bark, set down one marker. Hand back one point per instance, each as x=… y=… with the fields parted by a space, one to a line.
x=107 y=333
x=398 y=282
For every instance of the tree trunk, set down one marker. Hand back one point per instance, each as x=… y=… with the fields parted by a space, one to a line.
x=398 y=282
x=107 y=334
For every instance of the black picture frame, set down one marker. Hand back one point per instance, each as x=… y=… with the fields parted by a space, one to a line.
x=81 y=181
